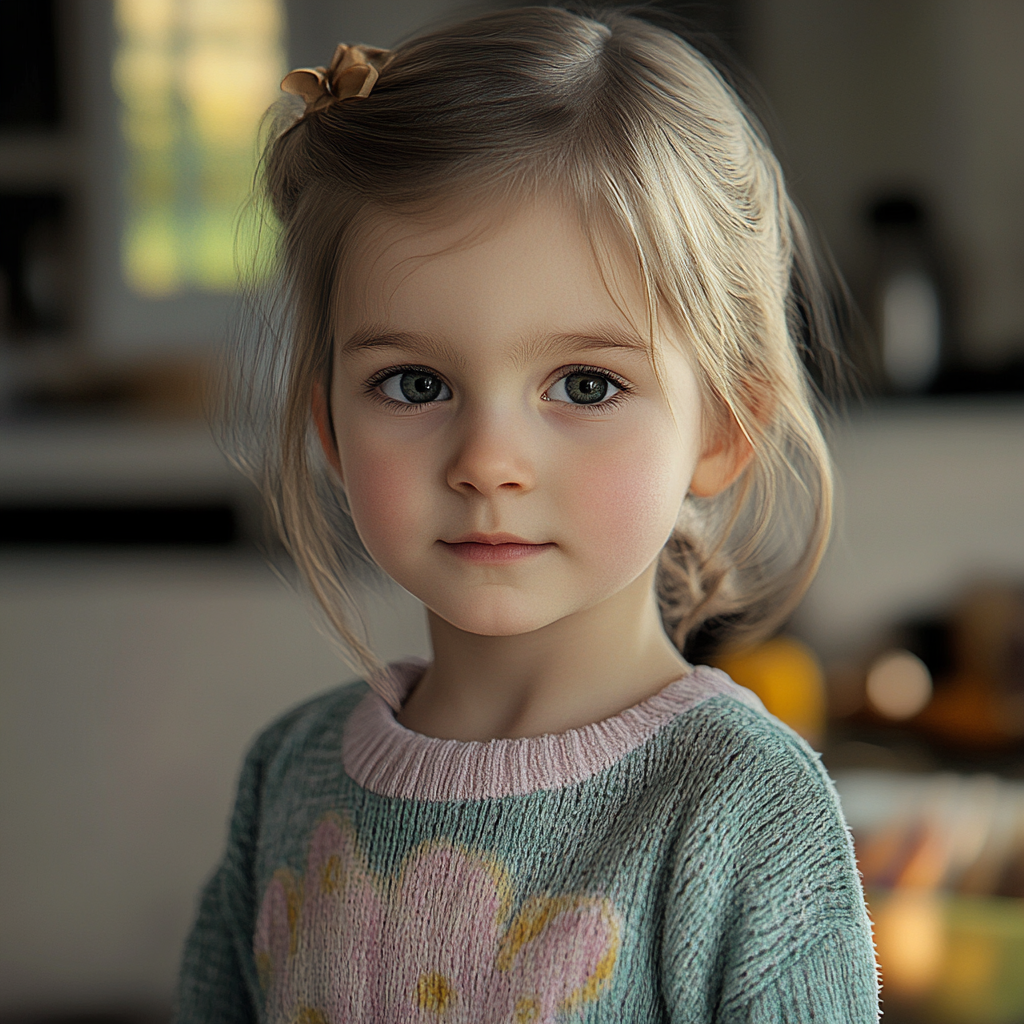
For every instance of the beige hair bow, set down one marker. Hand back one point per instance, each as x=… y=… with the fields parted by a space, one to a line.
x=352 y=74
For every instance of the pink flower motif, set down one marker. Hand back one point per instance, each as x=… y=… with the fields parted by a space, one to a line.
x=435 y=944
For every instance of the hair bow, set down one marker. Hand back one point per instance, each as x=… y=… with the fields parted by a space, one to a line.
x=352 y=74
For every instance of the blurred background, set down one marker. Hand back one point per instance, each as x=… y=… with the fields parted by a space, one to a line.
x=144 y=639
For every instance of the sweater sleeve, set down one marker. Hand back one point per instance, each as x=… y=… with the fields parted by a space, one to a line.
x=218 y=979
x=211 y=986
x=829 y=984
x=766 y=904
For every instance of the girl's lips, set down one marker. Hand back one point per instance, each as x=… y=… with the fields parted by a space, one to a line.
x=498 y=547
x=488 y=538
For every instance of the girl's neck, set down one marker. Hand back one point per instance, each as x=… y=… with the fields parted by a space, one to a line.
x=581 y=669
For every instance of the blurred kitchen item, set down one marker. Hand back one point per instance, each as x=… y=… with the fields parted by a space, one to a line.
x=910 y=939
x=181 y=387
x=108 y=484
x=909 y=307
x=955 y=680
x=34 y=263
x=788 y=677
x=936 y=831
x=981 y=704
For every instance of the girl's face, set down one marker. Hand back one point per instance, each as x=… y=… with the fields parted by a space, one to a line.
x=509 y=455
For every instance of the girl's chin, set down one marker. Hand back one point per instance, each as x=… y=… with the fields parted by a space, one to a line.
x=496 y=621
x=500 y=626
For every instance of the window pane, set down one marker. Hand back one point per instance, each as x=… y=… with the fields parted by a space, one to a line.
x=193 y=77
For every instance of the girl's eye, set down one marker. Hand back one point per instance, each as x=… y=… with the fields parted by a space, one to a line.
x=415 y=387
x=583 y=387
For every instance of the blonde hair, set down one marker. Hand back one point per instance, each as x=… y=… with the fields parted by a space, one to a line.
x=635 y=127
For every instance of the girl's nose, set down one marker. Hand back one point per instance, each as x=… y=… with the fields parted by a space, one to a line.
x=491 y=458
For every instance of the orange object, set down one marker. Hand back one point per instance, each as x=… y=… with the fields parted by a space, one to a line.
x=968 y=712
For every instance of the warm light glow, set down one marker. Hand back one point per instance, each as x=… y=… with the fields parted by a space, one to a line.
x=193 y=77
x=899 y=685
x=910 y=935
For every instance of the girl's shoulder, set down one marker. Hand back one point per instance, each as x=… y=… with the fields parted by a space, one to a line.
x=733 y=718
x=744 y=757
x=727 y=771
x=314 y=723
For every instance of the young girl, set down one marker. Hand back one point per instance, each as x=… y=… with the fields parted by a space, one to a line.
x=546 y=298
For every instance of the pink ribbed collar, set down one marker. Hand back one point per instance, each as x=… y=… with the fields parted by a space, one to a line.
x=381 y=755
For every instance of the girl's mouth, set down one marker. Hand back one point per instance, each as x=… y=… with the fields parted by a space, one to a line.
x=496 y=547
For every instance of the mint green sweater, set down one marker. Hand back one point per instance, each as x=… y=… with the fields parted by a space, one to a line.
x=684 y=861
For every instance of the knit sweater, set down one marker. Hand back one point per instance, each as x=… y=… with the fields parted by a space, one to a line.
x=684 y=861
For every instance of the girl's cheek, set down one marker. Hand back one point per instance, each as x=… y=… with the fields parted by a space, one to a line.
x=628 y=504
x=387 y=492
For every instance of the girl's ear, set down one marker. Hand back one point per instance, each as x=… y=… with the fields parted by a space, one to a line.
x=322 y=419
x=723 y=460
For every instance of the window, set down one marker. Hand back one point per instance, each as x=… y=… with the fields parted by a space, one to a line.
x=193 y=78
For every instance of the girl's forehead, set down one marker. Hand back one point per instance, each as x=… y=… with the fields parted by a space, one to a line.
x=515 y=261
x=388 y=240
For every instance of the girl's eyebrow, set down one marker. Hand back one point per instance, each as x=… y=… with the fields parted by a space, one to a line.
x=376 y=336
x=603 y=338
x=600 y=338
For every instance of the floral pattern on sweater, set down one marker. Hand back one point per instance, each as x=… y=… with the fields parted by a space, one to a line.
x=436 y=942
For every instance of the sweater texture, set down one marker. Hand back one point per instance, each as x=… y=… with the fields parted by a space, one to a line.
x=685 y=861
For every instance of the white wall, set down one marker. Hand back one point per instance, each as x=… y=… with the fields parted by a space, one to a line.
x=931 y=499
x=131 y=689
